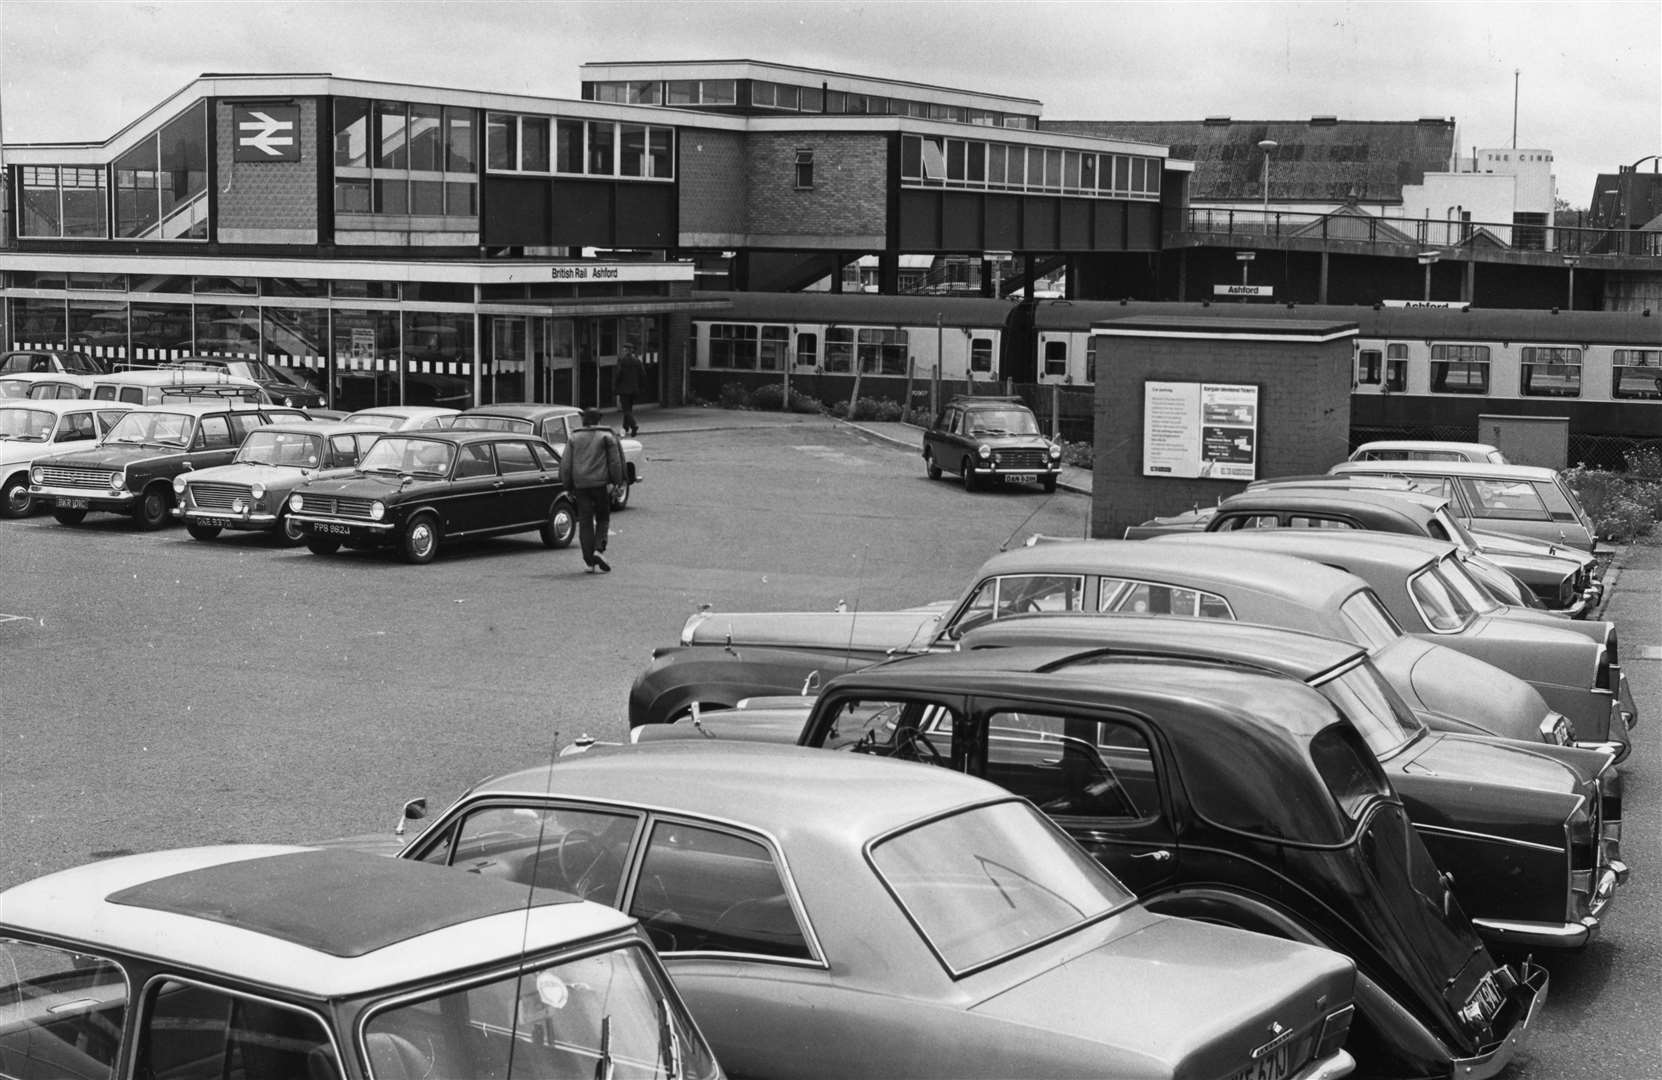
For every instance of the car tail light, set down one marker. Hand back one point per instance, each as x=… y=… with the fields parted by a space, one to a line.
x=1334 y=1031
x=1601 y=678
x=1555 y=729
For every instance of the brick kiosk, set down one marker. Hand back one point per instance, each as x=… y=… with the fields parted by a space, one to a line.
x=1182 y=401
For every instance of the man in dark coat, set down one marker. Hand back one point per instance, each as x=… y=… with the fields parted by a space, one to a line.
x=590 y=467
x=626 y=381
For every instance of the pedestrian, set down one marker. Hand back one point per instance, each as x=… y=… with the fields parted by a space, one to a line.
x=591 y=466
x=626 y=381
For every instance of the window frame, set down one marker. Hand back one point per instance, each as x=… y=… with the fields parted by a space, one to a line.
x=145 y=1005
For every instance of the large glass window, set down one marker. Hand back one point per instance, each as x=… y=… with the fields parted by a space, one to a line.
x=137 y=206
x=533 y=144
x=392 y=147
x=438 y=359
x=1550 y=372
x=883 y=351
x=62 y=201
x=733 y=345
x=1636 y=373
x=460 y=154
x=426 y=138
x=99 y=327
x=365 y=346
x=227 y=330
x=601 y=139
x=1460 y=369
x=38 y=324
x=351 y=132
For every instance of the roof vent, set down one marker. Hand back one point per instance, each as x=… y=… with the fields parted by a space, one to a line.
x=1217 y=120
x=1325 y=121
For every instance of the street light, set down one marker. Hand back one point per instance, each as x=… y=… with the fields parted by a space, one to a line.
x=1427 y=260
x=1268 y=147
x=1571 y=261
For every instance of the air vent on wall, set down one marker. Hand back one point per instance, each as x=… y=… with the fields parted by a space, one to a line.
x=1323 y=120
x=1217 y=119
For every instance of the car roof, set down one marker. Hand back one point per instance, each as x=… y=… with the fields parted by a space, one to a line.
x=451 y=435
x=405 y=410
x=1426 y=444
x=778 y=789
x=323 y=922
x=321 y=427
x=1003 y=401
x=1398 y=551
x=525 y=409
x=1412 y=505
x=198 y=408
x=63 y=405
x=1290 y=652
x=75 y=377
x=1273 y=574
x=1450 y=468
x=173 y=376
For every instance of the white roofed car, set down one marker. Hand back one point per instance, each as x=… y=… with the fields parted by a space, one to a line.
x=294 y=963
x=31 y=429
x=404 y=418
x=48 y=385
x=1426 y=450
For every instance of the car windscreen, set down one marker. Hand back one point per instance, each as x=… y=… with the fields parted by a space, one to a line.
x=989 y=881
x=1373 y=708
x=26 y=425
x=1370 y=624
x=492 y=423
x=288 y=448
x=80 y=364
x=153 y=429
x=14 y=388
x=400 y=454
x=1001 y=422
x=1439 y=604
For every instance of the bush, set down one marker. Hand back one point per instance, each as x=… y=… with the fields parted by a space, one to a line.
x=771 y=398
x=1080 y=454
x=866 y=408
x=1623 y=505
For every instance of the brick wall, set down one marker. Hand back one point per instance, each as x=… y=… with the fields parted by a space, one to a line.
x=849 y=196
x=267 y=201
x=1303 y=422
x=712 y=204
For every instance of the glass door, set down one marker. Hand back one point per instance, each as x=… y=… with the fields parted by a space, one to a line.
x=510 y=360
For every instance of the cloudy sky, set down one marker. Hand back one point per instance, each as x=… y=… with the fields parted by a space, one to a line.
x=1589 y=82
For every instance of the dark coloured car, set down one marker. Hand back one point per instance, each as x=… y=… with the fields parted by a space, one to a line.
x=1230 y=795
x=50 y=362
x=131 y=470
x=283 y=388
x=990 y=440
x=414 y=490
x=830 y=917
x=554 y=424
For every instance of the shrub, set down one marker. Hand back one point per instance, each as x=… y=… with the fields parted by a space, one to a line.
x=734 y=395
x=867 y=409
x=1623 y=506
x=1081 y=454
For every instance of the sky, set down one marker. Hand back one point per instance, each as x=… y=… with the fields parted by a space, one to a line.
x=1588 y=82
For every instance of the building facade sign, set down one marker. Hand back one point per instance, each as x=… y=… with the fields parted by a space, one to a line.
x=1243 y=290
x=267 y=132
x=1200 y=430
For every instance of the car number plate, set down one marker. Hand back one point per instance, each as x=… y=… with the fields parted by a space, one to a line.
x=73 y=504
x=332 y=528
x=214 y=523
x=1272 y=1066
x=1021 y=478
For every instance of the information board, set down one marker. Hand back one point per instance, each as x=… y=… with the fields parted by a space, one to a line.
x=1200 y=430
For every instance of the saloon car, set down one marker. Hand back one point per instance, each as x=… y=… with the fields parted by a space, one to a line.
x=282 y=387
x=403 y=418
x=29 y=429
x=251 y=494
x=796 y=652
x=833 y=916
x=131 y=470
x=1225 y=794
x=287 y=963
x=45 y=387
x=414 y=490
x=1575 y=666
x=990 y=440
x=50 y=362
x=554 y=423
x=1525 y=500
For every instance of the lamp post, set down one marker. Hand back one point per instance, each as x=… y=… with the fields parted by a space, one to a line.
x=1245 y=259
x=1571 y=261
x=1268 y=147
x=1427 y=260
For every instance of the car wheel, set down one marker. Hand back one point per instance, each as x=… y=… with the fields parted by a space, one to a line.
x=319 y=546
x=151 y=511
x=620 y=495
x=1049 y=483
x=930 y=467
x=967 y=473
x=562 y=525
x=421 y=540
x=202 y=532
x=288 y=532
x=15 y=501
x=70 y=517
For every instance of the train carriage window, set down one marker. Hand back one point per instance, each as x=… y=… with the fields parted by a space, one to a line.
x=807 y=350
x=839 y=350
x=882 y=351
x=1368 y=363
x=1636 y=373
x=1550 y=372
x=1396 y=367
x=774 y=347
x=733 y=345
x=1460 y=369
x=1056 y=358
x=1090 y=359
x=981 y=355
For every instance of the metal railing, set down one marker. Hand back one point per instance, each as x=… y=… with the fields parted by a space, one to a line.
x=1255 y=226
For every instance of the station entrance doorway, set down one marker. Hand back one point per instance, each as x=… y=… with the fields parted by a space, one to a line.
x=568 y=360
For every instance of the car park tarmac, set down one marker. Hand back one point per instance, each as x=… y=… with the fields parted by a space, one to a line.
x=158 y=692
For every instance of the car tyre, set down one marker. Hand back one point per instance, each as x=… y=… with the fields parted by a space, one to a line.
x=930 y=467
x=420 y=541
x=1049 y=484
x=317 y=545
x=70 y=517
x=202 y=532
x=288 y=532
x=562 y=525
x=151 y=511
x=620 y=495
x=967 y=472
x=15 y=500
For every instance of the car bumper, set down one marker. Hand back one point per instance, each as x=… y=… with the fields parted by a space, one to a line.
x=1573 y=934
x=345 y=529
x=84 y=499
x=1524 y=1000
x=226 y=519
x=1016 y=476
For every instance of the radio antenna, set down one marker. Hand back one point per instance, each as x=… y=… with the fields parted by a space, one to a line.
x=530 y=896
x=859 y=595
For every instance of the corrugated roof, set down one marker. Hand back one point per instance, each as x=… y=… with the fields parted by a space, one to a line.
x=1320 y=160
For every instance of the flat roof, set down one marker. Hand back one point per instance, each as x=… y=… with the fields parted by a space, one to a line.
x=459 y=271
x=615 y=70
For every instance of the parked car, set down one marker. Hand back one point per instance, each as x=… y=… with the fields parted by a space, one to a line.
x=50 y=362
x=169 y=386
x=832 y=916
x=1231 y=795
x=251 y=494
x=796 y=652
x=414 y=490
x=45 y=387
x=1574 y=666
x=1524 y=500
x=554 y=423
x=990 y=439
x=131 y=470
x=1426 y=450
x=290 y=963
x=282 y=388
x=29 y=429
x=403 y=418
x=1562 y=584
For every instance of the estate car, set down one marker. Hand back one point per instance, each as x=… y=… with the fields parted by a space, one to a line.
x=282 y=387
x=990 y=439
x=251 y=494
x=288 y=963
x=1426 y=450
x=29 y=429
x=1526 y=500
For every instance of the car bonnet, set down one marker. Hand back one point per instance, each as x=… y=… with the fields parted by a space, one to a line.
x=1470 y=690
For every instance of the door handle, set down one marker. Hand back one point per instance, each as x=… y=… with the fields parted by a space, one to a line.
x=1158 y=855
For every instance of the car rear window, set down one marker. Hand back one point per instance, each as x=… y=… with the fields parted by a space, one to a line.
x=1376 y=710
x=1440 y=605
x=1371 y=625
x=1351 y=773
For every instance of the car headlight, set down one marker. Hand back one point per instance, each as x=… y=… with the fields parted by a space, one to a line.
x=118 y=480
x=377 y=510
x=296 y=502
x=178 y=485
x=289 y=401
x=239 y=505
x=258 y=491
x=1055 y=451
x=37 y=476
x=1555 y=729
x=984 y=451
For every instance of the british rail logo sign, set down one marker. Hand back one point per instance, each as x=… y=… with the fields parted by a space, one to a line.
x=266 y=132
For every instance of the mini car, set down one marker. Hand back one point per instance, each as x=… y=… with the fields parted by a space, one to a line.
x=251 y=494
x=131 y=470
x=282 y=387
x=990 y=439
x=831 y=916
x=1525 y=500
x=403 y=418
x=290 y=963
x=31 y=428
x=1426 y=450
x=554 y=423
x=795 y=652
x=414 y=490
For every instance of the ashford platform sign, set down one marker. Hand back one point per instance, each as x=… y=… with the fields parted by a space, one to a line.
x=1200 y=430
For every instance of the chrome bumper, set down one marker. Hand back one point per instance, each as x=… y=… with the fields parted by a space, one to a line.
x=1340 y=1063
x=1529 y=995
x=96 y=498
x=350 y=523
x=1511 y=932
x=230 y=518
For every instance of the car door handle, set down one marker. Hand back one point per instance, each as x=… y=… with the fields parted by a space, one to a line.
x=499 y=483
x=1159 y=855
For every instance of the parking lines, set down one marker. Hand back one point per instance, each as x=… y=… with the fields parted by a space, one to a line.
x=4 y=618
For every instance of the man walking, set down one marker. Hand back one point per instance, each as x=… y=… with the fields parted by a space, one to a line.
x=591 y=465
x=626 y=382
